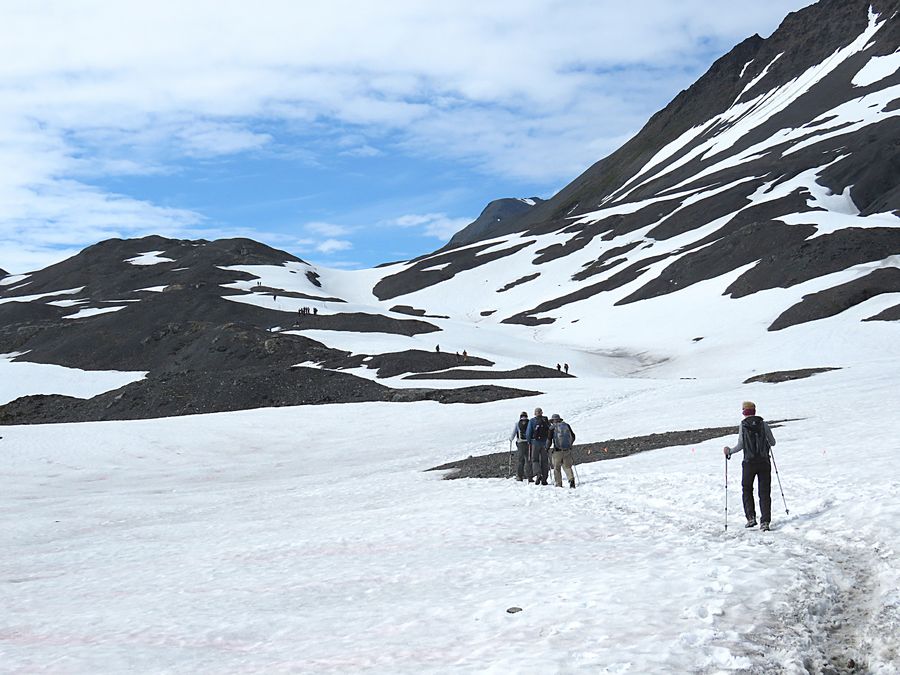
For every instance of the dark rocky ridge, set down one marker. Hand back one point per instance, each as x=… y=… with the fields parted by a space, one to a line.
x=202 y=351
x=364 y=323
x=496 y=465
x=523 y=373
x=419 y=275
x=499 y=217
x=835 y=300
x=864 y=159
x=191 y=329
x=787 y=375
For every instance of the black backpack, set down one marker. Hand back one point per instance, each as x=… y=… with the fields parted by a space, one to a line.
x=523 y=427
x=753 y=433
x=541 y=431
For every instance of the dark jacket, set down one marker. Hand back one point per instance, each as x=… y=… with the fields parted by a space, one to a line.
x=529 y=432
x=754 y=438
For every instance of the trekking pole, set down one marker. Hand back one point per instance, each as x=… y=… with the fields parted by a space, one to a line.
x=779 y=482
x=726 y=493
x=509 y=463
x=575 y=471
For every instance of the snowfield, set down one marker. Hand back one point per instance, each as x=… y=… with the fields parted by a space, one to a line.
x=311 y=539
x=314 y=540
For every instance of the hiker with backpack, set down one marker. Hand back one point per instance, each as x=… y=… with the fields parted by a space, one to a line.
x=523 y=464
x=538 y=436
x=562 y=439
x=754 y=439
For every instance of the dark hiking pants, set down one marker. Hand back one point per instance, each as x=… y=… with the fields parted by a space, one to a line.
x=540 y=460
x=762 y=472
x=523 y=464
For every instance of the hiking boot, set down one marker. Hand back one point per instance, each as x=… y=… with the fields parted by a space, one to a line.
x=544 y=481
x=571 y=483
x=751 y=522
x=531 y=480
x=519 y=478
x=764 y=526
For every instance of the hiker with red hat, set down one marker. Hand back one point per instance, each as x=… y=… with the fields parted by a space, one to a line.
x=755 y=439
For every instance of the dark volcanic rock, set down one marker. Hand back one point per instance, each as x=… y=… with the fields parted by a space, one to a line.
x=750 y=180
x=787 y=375
x=620 y=278
x=890 y=314
x=357 y=322
x=418 y=361
x=495 y=465
x=406 y=309
x=450 y=263
x=193 y=392
x=519 y=281
x=202 y=352
x=524 y=373
x=839 y=298
x=412 y=311
x=794 y=264
x=605 y=261
x=501 y=216
x=483 y=393
x=730 y=251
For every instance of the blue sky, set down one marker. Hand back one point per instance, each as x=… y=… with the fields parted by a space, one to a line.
x=350 y=134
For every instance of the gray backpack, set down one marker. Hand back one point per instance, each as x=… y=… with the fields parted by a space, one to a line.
x=563 y=437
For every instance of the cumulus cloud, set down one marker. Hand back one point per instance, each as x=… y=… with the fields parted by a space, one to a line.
x=438 y=225
x=524 y=89
x=328 y=229
x=333 y=245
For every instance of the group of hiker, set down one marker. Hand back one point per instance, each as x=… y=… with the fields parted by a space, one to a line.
x=543 y=443
x=307 y=310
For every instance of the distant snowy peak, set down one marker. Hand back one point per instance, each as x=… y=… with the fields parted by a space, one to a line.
x=778 y=167
x=501 y=216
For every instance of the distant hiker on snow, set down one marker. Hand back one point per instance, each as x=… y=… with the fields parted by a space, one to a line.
x=563 y=438
x=755 y=438
x=538 y=436
x=566 y=368
x=523 y=464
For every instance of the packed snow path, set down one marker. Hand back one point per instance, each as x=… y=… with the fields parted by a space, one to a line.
x=310 y=540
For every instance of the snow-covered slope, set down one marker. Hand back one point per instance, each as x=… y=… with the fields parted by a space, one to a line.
x=776 y=170
x=244 y=542
x=751 y=227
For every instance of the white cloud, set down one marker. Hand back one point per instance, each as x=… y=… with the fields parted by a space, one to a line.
x=523 y=89
x=328 y=229
x=437 y=225
x=333 y=246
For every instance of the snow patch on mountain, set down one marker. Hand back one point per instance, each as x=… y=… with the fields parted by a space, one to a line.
x=149 y=258
x=877 y=68
x=21 y=378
